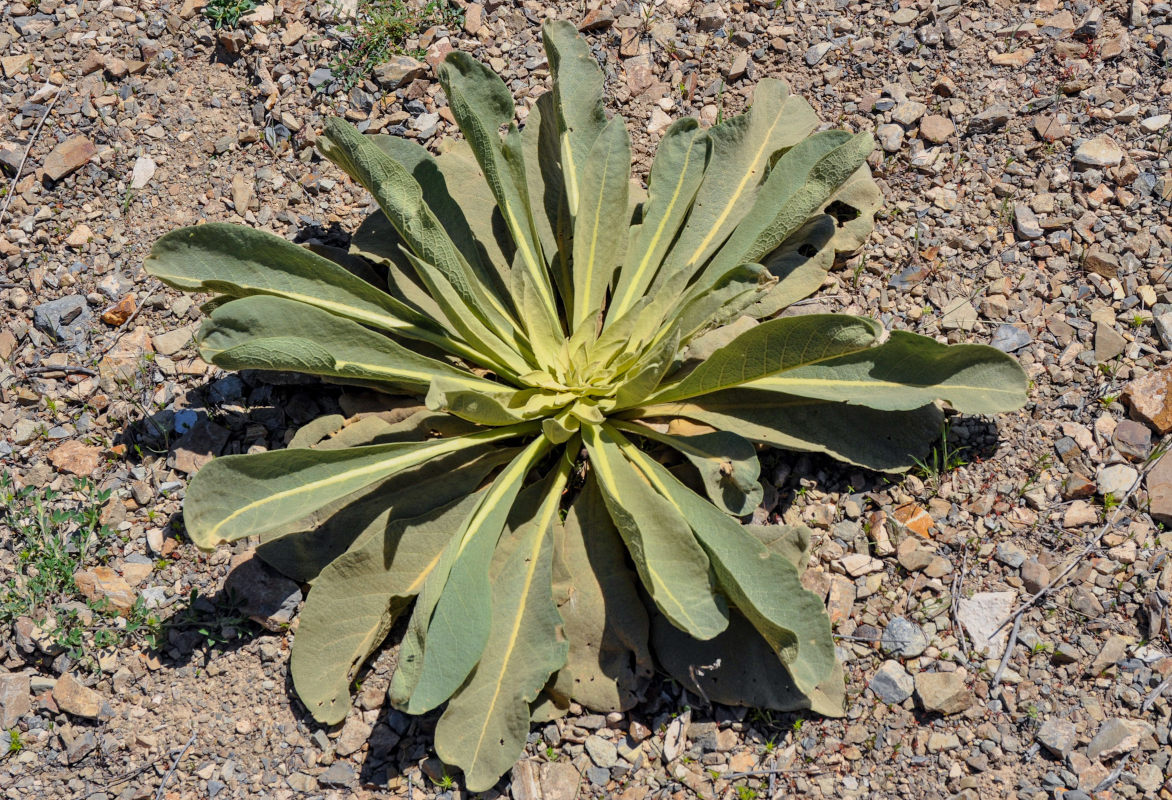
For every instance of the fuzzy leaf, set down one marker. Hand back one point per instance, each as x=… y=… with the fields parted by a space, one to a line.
x=908 y=371
x=486 y=724
x=672 y=566
x=355 y=599
x=265 y=332
x=774 y=346
x=608 y=661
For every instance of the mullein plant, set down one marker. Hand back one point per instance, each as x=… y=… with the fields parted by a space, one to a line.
x=598 y=368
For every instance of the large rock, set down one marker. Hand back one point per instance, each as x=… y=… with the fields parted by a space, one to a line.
x=891 y=683
x=14 y=698
x=1159 y=485
x=943 y=692
x=1102 y=151
x=76 y=458
x=1149 y=401
x=399 y=70
x=266 y=596
x=74 y=698
x=104 y=584
x=1059 y=736
x=66 y=319
x=981 y=614
x=1116 y=736
x=68 y=156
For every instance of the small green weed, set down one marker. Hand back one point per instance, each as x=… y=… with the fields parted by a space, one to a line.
x=15 y=745
x=381 y=30
x=227 y=13
x=943 y=458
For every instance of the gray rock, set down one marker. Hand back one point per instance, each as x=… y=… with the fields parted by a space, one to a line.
x=891 y=683
x=1109 y=343
x=818 y=52
x=1034 y=575
x=989 y=120
x=1026 y=221
x=1115 y=480
x=214 y=788
x=1059 y=736
x=890 y=137
x=1102 y=151
x=399 y=70
x=80 y=746
x=1132 y=439
x=598 y=776
x=1116 y=736
x=340 y=773
x=1010 y=554
x=66 y=319
x=601 y=751
x=903 y=638
x=1163 y=325
x=908 y=112
x=320 y=77
x=1008 y=338
x=266 y=596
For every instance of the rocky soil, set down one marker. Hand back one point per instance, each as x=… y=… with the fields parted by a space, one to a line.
x=1023 y=155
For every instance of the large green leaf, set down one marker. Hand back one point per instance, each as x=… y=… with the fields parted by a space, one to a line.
x=741 y=151
x=599 y=243
x=355 y=599
x=301 y=550
x=799 y=265
x=762 y=584
x=481 y=105
x=450 y=623
x=238 y=262
x=672 y=566
x=541 y=140
x=486 y=724
x=675 y=176
x=479 y=316
x=887 y=441
x=801 y=181
x=237 y=496
x=774 y=346
x=605 y=622
x=908 y=371
x=266 y=332
x=578 y=101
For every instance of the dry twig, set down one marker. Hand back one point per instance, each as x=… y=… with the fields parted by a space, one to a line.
x=27 y=150
x=174 y=766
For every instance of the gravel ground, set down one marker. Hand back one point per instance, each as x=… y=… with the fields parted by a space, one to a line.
x=1024 y=161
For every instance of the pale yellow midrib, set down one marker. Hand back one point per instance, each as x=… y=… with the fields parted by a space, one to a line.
x=770 y=381
x=625 y=301
x=736 y=195
x=534 y=553
x=391 y=463
x=593 y=241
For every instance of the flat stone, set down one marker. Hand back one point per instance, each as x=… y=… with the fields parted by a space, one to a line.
x=352 y=736
x=1049 y=129
x=1078 y=514
x=266 y=596
x=903 y=638
x=913 y=556
x=68 y=157
x=890 y=137
x=75 y=699
x=66 y=319
x=943 y=692
x=143 y=171
x=936 y=129
x=15 y=700
x=1026 y=222
x=1010 y=338
x=338 y=774
x=171 y=342
x=980 y=615
x=1156 y=124
x=1034 y=575
x=80 y=237
x=1115 y=480
x=1059 y=736
x=399 y=70
x=816 y=53
x=203 y=441
x=14 y=65
x=320 y=77
x=1115 y=737
x=859 y=564
x=1102 y=151
x=75 y=457
x=891 y=683
x=601 y=752
x=80 y=746
x=1112 y=652
x=1109 y=343
x=1017 y=58
x=1100 y=262
x=959 y=315
x=989 y=120
x=1159 y=486
x=1148 y=399
x=103 y=583
x=908 y=112
x=1132 y=439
